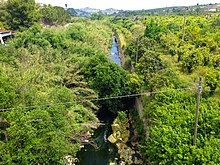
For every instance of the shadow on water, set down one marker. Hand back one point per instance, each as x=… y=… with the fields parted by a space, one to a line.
x=105 y=151
x=89 y=155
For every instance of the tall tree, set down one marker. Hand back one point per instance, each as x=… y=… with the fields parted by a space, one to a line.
x=3 y=14
x=22 y=14
x=54 y=15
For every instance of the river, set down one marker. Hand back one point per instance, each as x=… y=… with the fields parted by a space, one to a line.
x=114 y=52
x=105 y=151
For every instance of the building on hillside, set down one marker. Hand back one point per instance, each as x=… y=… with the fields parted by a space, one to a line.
x=4 y=35
x=212 y=9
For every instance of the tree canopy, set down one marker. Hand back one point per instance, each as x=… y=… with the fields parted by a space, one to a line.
x=41 y=80
x=54 y=15
x=169 y=66
x=21 y=14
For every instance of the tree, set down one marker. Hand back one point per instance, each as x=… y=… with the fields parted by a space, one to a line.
x=216 y=22
x=96 y=16
x=22 y=14
x=72 y=12
x=149 y=63
x=40 y=69
x=4 y=15
x=44 y=135
x=7 y=92
x=136 y=49
x=110 y=80
x=194 y=58
x=153 y=30
x=53 y=15
x=171 y=130
x=212 y=79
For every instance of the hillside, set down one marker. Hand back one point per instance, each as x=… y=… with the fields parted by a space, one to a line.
x=197 y=9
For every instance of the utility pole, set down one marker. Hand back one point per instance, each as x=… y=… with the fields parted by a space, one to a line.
x=183 y=30
x=137 y=40
x=197 y=110
x=184 y=24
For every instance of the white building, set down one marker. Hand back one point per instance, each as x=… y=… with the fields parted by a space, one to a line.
x=4 y=34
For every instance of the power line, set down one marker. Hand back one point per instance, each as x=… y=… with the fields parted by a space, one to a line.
x=97 y=99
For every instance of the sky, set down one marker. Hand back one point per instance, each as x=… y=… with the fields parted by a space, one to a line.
x=125 y=4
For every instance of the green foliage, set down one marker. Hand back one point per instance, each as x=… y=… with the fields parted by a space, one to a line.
x=41 y=70
x=96 y=16
x=212 y=79
x=173 y=27
x=72 y=12
x=192 y=31
x=216 y=22
x=7 y=92
x=4 y=15
x=21 y=14
x=138 y=48
x=163 y=78
x=109 y=80
x=171 y=131
x=149 y=63
x=195 y=58
x=207 y=42
x=215 y=60
x=155 y=73
x=45 y=132
x=153 y=30
x=122 y=116
x=165 y=61
x=54 y=15
x=171 y=42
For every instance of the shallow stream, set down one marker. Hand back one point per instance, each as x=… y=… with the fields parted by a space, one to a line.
x=105 y=151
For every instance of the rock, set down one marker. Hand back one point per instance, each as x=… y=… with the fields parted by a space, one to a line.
x=112 y=164
x=112 y=139
x=115 y=125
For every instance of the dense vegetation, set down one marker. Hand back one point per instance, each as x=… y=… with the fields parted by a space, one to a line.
x=49 y=78
x=167 y=54
x=54 y=80
x=20 y=15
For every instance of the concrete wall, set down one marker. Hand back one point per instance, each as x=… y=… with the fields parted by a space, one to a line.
x=138 y=100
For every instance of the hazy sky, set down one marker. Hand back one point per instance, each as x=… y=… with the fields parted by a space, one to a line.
x=125 y=4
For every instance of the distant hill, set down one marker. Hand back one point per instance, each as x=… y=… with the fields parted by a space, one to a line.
x=198 y=8
x=204 y=8
x=86 y=12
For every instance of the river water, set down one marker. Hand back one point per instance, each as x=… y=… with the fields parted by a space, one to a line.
x=105 y=151
x=114 y=52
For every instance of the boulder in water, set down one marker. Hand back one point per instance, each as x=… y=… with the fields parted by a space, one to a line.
x=112 y=139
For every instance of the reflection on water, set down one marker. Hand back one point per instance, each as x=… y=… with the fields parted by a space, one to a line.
x=106 y=151
x=114 y=52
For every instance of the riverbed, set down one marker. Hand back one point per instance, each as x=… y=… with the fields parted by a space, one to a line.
x=103 y=152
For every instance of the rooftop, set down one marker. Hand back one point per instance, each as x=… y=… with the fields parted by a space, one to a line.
x=4 y=31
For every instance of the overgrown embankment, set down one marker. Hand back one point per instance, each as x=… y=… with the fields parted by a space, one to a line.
x=169 y=55
x=46 y=90
x=127 y=64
